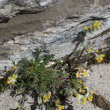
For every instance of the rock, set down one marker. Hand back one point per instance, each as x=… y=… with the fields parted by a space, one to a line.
x=58 y=40
x=77 y=106
x=11 y=8
x=15 y=20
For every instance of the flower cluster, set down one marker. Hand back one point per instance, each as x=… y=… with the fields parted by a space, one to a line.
x=12 y=79
x=58 y=105
x=82 y=72
x=91 y=50
x=82 y=99
x=100 y=57
x=82 y=90
x=46 y=97
x=96 y=25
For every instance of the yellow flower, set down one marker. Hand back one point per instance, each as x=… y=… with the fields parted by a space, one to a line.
x=96 y=21
x=83 y=91
x=81 y=73
x=19 y=106
x=91 y=28
x=14 y=67
x=84 y=99
x=98 y=27
x=89 y=49
x=12 y=79
x=85 y=28
x=90 y=98
x=100 y=57
x=9 y=78
x=95 y=24
x=46 y=98
x=83 y=102
x=48 y=95
x=80 y=90
x=78 y=75
x=8 y=82
x=91 y=92
x=96 y=51
x=60 y=107
x=85 y=87
x=85 y=73
x=78 y=95
x=12 y=83
x=99 y=23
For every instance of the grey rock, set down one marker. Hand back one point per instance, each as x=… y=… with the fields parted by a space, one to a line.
x=63 y=8
x=10 y=8
x=11 y=26
x=58 y=40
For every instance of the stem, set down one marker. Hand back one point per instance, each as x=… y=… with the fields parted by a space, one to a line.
x=23 y=100
x=68 y=56
x=79 y=56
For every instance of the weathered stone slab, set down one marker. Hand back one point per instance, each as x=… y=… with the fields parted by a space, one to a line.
x=58 y=40
x=23 y=23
